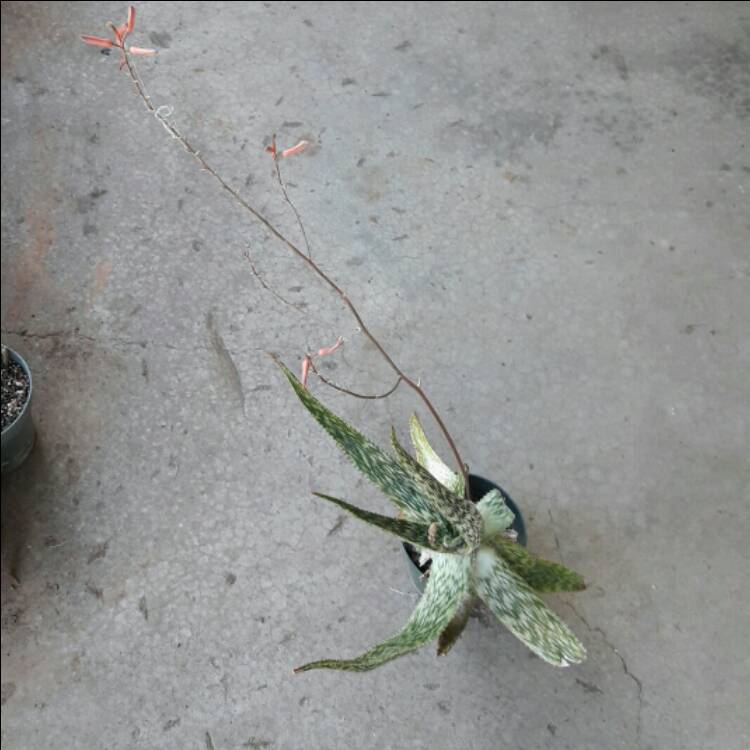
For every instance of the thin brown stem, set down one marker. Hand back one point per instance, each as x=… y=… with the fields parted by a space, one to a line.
x=163 y=114
x=284 y=192
x=348 y=391
x=269 y=288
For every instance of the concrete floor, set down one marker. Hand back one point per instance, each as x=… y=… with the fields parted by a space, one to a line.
x=541 y=208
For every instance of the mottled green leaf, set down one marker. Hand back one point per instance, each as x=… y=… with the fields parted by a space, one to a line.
x=446 y=588
x=497 y=516
x=516 y=605
x=427 y=536
x=431 y=461
x=378 y=466
x=541 y=575
x=455 y=627
x=458 y=511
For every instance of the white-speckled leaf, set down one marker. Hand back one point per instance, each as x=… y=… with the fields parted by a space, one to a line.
x=446 y=589
x=423 y=536
x=541 y=575
x=496 y=514
x=516 y=605
x=459 y=512
x=378 y=466
x=431 y=461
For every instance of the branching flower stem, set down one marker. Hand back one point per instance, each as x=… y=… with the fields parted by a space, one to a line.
x=162 y=114
x=285 y=193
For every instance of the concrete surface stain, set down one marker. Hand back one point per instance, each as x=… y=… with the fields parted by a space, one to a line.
x=504 y=134
x=72 y=471
x=340 y=521
x=589 y=687
x=255 y=743
x=99 y=552
x=86 y=203
x=615 y=57
x=716 y=69
x=95 y=591
x=160 y=39
x=29 y=268
x=227 y=367
x=171 y=724
x=35 y=19
x=102 y=273
x=7 y=691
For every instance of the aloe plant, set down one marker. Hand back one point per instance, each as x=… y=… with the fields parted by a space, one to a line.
x=474 y=553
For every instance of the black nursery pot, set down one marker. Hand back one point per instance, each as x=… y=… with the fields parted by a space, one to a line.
x=479 y=488
x=18 y=437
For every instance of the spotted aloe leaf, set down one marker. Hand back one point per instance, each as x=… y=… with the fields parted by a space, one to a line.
x=448 y=583
x=516 y=605
x=378 y=466
x=460 y=512
x=431 y=461
x=427 y=536
x=497 y=516
x=452 y=631
x=541 y=575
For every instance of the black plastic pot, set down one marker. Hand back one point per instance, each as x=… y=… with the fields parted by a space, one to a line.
x=479 y=488
x=18 y=437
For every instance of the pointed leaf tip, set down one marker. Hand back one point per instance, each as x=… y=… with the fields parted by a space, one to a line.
x=516 y=605
x=378 y=466
x=433 y=537
x=497 y=516
x=427 y=456
x=542 y=575
x=446 y=588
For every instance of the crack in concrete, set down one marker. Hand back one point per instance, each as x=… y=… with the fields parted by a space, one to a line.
x=557 y=538
x=625 y=668
x=605 y=638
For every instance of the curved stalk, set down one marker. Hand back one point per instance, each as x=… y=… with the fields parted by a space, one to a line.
x=303 y=256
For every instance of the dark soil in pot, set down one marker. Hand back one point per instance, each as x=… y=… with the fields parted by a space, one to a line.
x=18 y=427
x=479 y=488
x=15 y=392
